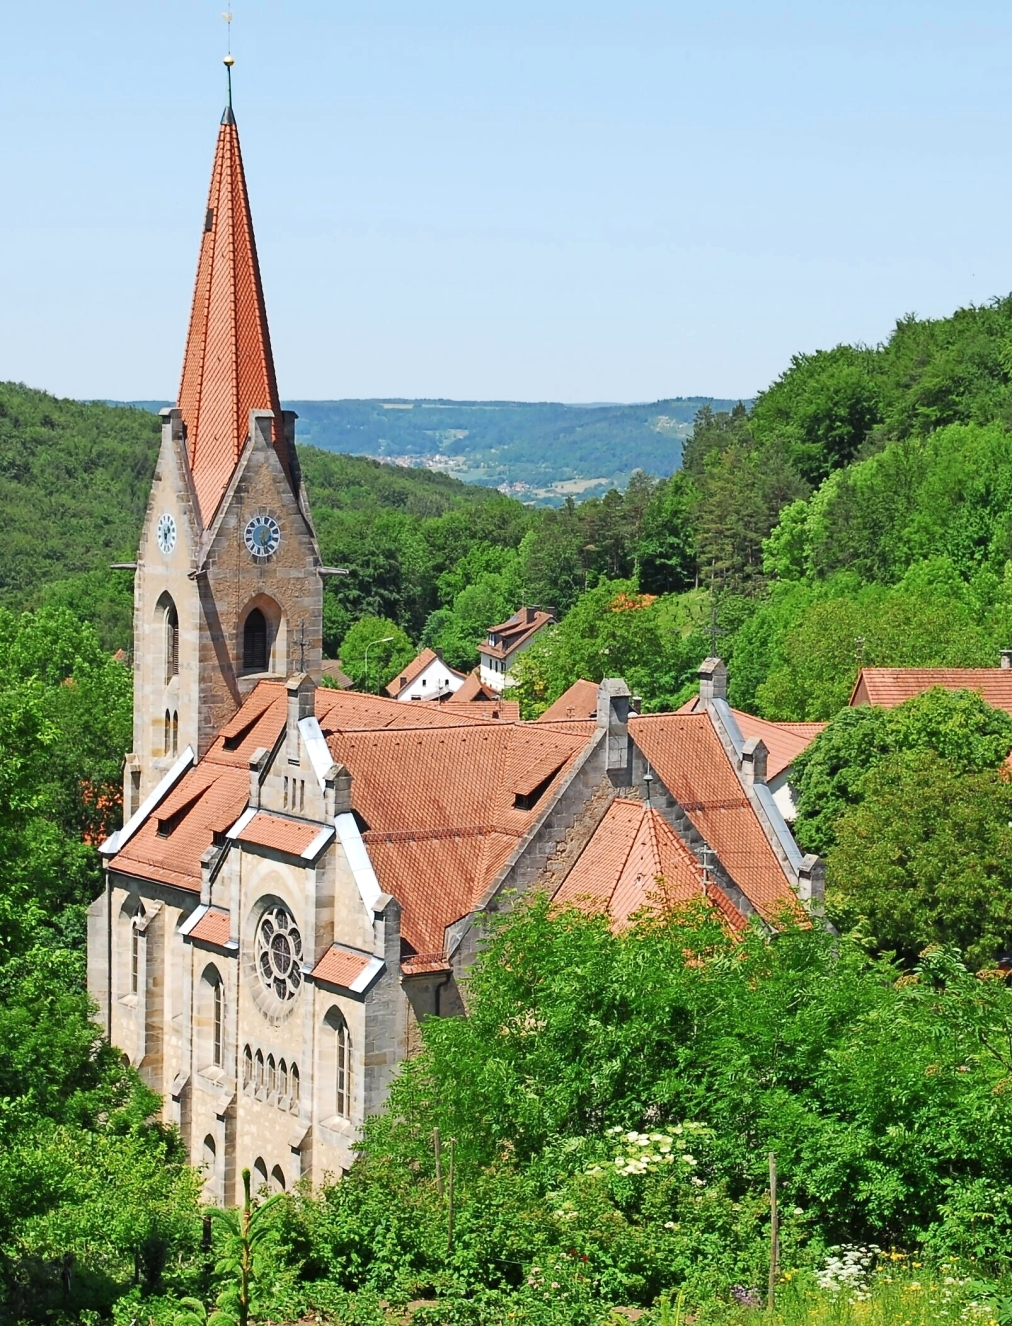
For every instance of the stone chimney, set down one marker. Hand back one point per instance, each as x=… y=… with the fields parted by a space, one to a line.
x=712 y=680
x=301 y=704
x=1006 y=658
x=613 y=710
x=257 y=765
x=753 y=761
x=336 y=791
x=812 y=883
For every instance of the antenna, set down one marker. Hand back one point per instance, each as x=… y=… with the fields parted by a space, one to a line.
x=229 y=60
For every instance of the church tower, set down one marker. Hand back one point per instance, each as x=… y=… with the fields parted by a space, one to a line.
x=228 y=587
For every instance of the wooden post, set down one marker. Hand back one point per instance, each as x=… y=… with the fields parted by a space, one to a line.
x=449 y=1194
x=774 y=1233
x=437 y=1147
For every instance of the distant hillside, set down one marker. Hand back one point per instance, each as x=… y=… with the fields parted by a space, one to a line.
x=538 y=451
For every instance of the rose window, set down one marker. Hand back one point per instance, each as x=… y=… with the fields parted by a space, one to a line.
x=279 y=953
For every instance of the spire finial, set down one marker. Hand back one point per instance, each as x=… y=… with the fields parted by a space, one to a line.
x=228 y=62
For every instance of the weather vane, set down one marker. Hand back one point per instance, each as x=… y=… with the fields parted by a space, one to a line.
x=229 y=60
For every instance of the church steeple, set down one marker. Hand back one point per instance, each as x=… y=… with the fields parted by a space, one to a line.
x=228 y=369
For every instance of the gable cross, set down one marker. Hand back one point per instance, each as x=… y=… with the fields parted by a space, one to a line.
x=300 y=643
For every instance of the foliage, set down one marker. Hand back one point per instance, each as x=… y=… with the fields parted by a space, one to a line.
x=389 y=650
x=829 y=777
x=245 y=1260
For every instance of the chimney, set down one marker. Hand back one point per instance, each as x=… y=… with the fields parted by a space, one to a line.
x=812 y=883
x=257 y=766
x=1006 y=658
x=337 y=791
x=613 y=716
x=712 y=680
x=753 y=761
x=530 y=614
x=301 y=704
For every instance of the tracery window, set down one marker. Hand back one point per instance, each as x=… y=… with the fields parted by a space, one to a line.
x=279 y=953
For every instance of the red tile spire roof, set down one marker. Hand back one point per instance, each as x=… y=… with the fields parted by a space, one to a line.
x=228 y=369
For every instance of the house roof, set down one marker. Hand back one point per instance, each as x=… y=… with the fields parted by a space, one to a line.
x=415 y=668
x=784 y=741
x=630 y=851
x=436 y=785
x=890 y=687
x=506 y=637
x=279 y=833
x=474 y=689
x=213 y=927
x=331 y=667
x=580 y=701
x=690 y=759
x=339 y=967
x=228 y=368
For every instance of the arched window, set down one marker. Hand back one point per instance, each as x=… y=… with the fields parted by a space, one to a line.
x=278 y=1179
x=259 y=1173
x=272 y=1075
x=171 y=642
x=247 y=1068
x=175 y=732
x=218 y=1024
x=168 y=733
x=282 y=1080
x=293 y=1087
x=258 y=1071
x=342 y=1063
x=210 y=1155
x=254 y=642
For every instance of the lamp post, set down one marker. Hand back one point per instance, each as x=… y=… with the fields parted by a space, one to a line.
x=385 y=641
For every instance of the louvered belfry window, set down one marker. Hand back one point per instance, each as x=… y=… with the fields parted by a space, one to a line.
x=254 y=642
x=171 y=642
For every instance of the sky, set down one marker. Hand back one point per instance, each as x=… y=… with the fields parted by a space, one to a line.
x=549 y=200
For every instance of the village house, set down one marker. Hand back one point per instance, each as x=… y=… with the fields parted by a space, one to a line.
x=507 y=641
x=426 y=677
x=890 y=687
x=304 y=873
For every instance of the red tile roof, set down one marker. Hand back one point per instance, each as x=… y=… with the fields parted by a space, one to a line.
x=228 y=368
x=580 y=701
x=474 y=689
x=689 y=758
x=213 y=927
x=505 y=711
x=279 y=833
x=784 y=741
x=635 y=860
x=339 y=967
x=511 y=634
x=889 y=687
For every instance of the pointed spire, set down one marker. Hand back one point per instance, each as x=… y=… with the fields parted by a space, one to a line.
x=228 y=369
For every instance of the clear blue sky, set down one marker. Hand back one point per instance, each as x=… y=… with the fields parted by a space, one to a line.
x=540 y=200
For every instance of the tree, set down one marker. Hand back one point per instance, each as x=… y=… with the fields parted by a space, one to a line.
x=389 y=650
x=666 y=549
x=926 y=858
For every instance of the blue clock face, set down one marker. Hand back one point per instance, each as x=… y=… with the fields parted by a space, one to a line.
x=262 y=536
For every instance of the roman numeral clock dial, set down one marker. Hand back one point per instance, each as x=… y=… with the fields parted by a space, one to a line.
x=262 y=536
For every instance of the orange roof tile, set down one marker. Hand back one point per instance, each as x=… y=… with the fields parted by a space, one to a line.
x=784 y=741
x=339 y=967
x=630 y=851
x=511 y=634
x=504 y=711
x=228 y=368
x=889 y=687
x=474 y=689
x=213 y=927
x=580 y=701
x=688 y=756
x=279 y=833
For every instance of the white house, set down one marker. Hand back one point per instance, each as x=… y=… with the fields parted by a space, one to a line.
x=426 y=677
x=507 y=641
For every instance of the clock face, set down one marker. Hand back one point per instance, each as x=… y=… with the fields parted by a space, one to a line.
x=262 y=536
x=166 y=533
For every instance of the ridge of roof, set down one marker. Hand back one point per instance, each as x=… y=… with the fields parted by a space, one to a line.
x=228 y=367
x=889 y=687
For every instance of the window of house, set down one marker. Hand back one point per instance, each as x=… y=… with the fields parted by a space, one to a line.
x=254 y=642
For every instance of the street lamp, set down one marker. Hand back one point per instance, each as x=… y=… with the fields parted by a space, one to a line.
x=385 y=641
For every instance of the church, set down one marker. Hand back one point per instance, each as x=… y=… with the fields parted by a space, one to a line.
x=303 y=873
